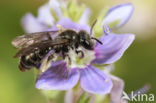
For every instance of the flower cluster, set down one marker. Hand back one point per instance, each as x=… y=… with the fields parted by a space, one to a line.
x=84 y=70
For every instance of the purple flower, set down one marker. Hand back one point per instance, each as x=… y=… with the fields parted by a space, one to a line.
x=61 y=76
x=90 y=77
x=48 y=14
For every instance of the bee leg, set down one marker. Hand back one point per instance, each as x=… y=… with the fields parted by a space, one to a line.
x=60 y=28
x=50 y=57
x=67 y=56
x=69 y=59
x=80 y=52
x=72 y=48
x=46 y=63
x=49 y=36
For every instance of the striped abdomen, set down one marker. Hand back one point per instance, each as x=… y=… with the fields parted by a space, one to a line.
x=32 y=59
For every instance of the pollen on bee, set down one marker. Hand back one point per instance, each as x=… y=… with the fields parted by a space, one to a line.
x=60 y=27
x=77 y=61
x=27 y=57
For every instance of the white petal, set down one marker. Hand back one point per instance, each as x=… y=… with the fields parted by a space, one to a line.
x=45 y=16
x=117 y=90
x=85 y=16
x=69 y=96
x=55 y=5
x=120 y=13
x=30 y=24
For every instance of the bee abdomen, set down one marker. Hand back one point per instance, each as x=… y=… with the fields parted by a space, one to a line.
x=33 y=59
x=25 y=64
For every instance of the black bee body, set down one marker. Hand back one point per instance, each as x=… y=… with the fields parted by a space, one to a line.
x=33 y=59
x=72 y=38
x=33 y=48
x=75 y=40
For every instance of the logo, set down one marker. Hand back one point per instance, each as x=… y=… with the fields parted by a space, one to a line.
x=138 y=96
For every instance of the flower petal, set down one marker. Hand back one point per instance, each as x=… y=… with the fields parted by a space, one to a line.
x=112 y=48
x=95 y=81
x=56 y=6
x=30 y=24
x=57 y=78
x=118 y=15
x=69 y=24
x=45 y=16
x=117 y=90
x=69 y=96
x=85 y=16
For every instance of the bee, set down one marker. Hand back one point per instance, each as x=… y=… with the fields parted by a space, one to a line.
x=34 y=47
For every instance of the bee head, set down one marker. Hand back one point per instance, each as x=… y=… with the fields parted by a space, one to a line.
x=87 y=41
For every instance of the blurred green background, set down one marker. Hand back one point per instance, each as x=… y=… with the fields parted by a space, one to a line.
x=137 y=67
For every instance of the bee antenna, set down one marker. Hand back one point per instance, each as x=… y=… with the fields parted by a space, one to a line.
x=97 y=40
x=91 y=30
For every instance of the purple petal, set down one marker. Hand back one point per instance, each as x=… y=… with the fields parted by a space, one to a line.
x=83 y=27
x=45 y=16
x=117 y=90
x=57 y=78
x=69 y=24
x=120 y=12
x=30 y=24
x=95 y=81
x=114 y=45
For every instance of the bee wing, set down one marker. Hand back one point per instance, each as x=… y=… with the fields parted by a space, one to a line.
x=40 y=45
x=28 y=39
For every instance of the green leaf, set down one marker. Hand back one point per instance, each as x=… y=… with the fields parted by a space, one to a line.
x=87 y=100
x=84 y=99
